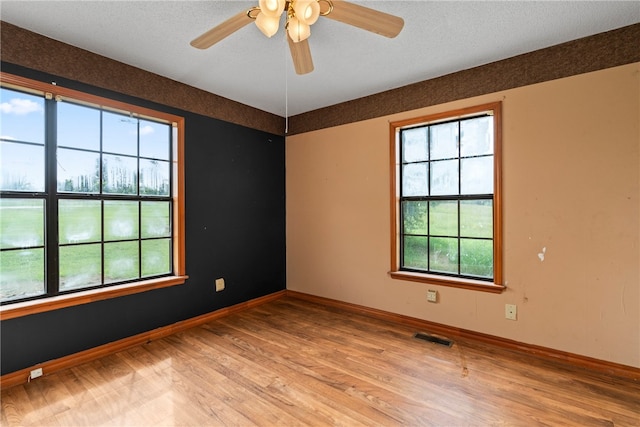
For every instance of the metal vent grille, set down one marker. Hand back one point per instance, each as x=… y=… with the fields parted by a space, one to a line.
x=431 y=338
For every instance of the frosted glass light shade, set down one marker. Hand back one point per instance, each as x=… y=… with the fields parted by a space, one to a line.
x=297 y=30
x=272 y=8
x=307 y=11
x=267 y=24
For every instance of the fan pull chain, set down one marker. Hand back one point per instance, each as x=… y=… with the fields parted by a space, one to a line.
x=286 y=87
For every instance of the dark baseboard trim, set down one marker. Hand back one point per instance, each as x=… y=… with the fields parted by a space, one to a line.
x=49 y=367
x=575 y=360
x=601 y=366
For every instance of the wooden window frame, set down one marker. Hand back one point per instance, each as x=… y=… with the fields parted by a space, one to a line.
x=494 y=286
x=12 y=310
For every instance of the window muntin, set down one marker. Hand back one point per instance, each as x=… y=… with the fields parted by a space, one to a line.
x=446 y=198
x=102 y=227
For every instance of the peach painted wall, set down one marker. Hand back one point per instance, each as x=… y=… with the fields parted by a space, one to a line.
x=571 y=190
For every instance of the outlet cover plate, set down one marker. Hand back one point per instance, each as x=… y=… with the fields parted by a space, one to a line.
x=35 y=373
x=432 y=296
x=511 y=311
x=219 y=285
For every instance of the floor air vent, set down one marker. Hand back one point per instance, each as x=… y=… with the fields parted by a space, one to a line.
x=431 y=338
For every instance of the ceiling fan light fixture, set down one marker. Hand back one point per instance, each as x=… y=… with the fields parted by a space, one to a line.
x=267 y=24
x=297 y=30
x=299 y=16
x=307 y=11
x=272 y=8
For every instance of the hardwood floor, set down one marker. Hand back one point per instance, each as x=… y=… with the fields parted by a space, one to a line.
x=292 y=362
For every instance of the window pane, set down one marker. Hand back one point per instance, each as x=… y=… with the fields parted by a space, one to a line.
x=414 y=215
x=79 y=221
x=121 y=261
x=476 y=257
x=21 y=223
x=444 y=178
x=154 y=177
x=78 y=126
x=443 y=255
x=476 y=218
x=119 y=134
x=414 y=179
x=156 y=257
x=120 y=220
x=155 y=219
x=22 y=167
x=476 y=136
x=414 y=145
x=119 y=174
x=110 y=202
x=21 y=116
x=78 y=171
x=477 y=175
x=415 y=252
x=443 y=218
x=155 y=140
x=456 y=155
x=21 y=274
x=444 y=141
x=80 y=266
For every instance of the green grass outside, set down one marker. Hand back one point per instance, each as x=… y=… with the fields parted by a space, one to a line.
x=21 y=226
x=440 y=253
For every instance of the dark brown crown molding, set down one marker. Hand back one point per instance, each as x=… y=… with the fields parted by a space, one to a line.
x=593 y=53
x=40 y=53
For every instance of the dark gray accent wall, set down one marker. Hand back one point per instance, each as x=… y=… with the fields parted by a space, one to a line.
x=235 y=229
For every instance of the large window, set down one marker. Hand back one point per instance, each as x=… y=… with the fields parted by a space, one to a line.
x=446 y=199
x=90 y=195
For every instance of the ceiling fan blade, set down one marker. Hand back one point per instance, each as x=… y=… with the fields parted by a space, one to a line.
x=368 y=19
x=301 y=55
x=221 y=31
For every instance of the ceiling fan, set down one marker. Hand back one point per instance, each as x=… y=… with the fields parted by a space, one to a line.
x=299 y=16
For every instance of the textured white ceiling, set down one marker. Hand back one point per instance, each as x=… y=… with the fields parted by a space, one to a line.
x=439 y=37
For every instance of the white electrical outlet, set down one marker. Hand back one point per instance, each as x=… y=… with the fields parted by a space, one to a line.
x=35 y=373
x=432 y=296
x=511 y=311
x=219 y=285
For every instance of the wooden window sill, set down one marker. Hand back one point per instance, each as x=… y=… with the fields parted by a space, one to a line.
x=20 y=309
x=476 y=285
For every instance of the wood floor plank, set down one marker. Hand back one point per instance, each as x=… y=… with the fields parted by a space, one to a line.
x=294 y=362
x=278 y=384
x=356 y=372
x=286 y=390
x=204 y=373
x=304 y=371
x=357 y=392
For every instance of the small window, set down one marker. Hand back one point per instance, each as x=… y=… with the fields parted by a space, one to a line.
x=90 y=196
x=446 y=208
